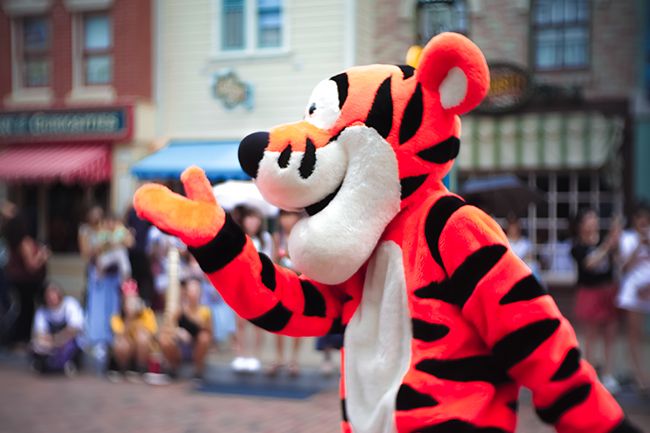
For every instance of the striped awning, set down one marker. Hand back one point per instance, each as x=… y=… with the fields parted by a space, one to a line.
x=548 y=141
x=56 y=162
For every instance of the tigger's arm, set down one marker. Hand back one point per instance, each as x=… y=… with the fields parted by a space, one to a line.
x=271 y=297
x=522 y=325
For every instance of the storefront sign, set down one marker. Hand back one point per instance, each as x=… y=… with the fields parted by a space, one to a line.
x=103 y=124
x=510 y=88
x=232 y=92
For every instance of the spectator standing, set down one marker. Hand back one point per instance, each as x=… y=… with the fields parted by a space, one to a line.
x=26 y=272
x=134 y=329
x=158 y=244
x=103 y=297
x=57 y=325
x=635 y=288
x=281 y=240
x=594 y=302
x=247 y=360
x=140 y=265
x=189 y=333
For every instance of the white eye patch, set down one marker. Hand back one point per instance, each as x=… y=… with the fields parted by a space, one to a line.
x=323 y=108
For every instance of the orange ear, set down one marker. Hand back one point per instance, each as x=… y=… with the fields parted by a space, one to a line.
x=453 y=67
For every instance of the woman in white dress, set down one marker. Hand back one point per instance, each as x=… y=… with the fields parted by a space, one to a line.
x=634 y=295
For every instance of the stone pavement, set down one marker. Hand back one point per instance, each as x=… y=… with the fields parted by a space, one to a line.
x=34 y=404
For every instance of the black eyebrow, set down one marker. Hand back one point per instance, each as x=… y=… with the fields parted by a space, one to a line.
x=342 y=85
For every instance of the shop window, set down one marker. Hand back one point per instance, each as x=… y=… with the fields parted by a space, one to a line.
x=249 y=25
x=548 y=224
x=561 y=34
x=97 y=48
x=35 y=46
x=438 y=16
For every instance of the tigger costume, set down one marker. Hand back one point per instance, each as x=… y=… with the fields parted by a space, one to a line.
x=442 y=321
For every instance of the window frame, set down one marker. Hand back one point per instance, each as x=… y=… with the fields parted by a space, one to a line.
x=595 y=197
x=22 y=57
x=86 y=54
x=419 y=5
x=535 y=28
x=251 y=33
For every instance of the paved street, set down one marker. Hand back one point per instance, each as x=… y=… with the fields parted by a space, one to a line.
x=31 y=404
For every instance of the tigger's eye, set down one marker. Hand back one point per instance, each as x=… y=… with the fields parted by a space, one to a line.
x=323 y=108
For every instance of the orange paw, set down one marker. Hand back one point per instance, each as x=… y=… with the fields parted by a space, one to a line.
x=195 y=219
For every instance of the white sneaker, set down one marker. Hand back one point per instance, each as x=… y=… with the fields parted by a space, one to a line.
x=156 y=379
x=239 y=364
x=253 y=364
x=70 y=369
x=611 y=384
x=114 y=376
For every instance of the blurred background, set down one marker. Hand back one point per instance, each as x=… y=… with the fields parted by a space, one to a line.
x=98 y=96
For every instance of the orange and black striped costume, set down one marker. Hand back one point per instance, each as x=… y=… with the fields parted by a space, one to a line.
x=442 y=322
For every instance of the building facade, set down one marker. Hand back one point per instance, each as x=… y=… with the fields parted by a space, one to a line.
x=76 y=109
x=232 y=67
x=564 y=76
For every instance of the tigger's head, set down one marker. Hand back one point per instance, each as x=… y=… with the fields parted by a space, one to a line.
x=370 y=138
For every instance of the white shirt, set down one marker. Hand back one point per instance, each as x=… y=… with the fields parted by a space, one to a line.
x=640 y=272
x=69 y=312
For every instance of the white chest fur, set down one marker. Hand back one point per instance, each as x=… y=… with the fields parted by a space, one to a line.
x=378 y=344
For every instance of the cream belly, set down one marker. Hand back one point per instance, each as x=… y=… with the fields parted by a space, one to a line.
x=378 y=344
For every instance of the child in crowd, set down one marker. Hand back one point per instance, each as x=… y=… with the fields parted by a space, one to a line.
x=56 y=325
x=188 y=335
x=114 y=239
x=281 y=254
x=134 y=328
x=251 y=223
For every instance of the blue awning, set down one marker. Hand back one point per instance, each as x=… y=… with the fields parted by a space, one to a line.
x=218 y=158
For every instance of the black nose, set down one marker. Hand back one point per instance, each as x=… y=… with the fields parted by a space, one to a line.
x=251 y=152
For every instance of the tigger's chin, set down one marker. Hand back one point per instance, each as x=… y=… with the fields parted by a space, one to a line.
x=335 y=241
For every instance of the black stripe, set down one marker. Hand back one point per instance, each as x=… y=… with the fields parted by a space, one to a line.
x=336 y=136
x=524 y=290
x=274 y=320
x=342 y=85
x=411 y=184
x=438 y=215
x=442 y=152
x=626 y=427
x=481 y=368
x=514 y=405
x=434 y=290
x=344 y=411
x=381 y=114
x=347 y=298
x=568 y=400
x=458 y=426
x=314 y=300
x=308 y=162
x=412 y=118
x=428 y=332
x=408 y=399
x=337 y=327
x=516 y=346
x=570 y=365
x=223 y=249
x=285 y=156
x=268 y=272
x=462 y=283
x=407 y=71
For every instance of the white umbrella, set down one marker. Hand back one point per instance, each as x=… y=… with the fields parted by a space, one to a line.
x=235 y=193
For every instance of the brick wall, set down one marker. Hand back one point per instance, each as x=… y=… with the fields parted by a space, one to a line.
x=5 y=56
x=132 y=51
x=132 y=29
x=501 y=30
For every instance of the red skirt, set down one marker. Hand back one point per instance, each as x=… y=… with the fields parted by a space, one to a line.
x=596 y=304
